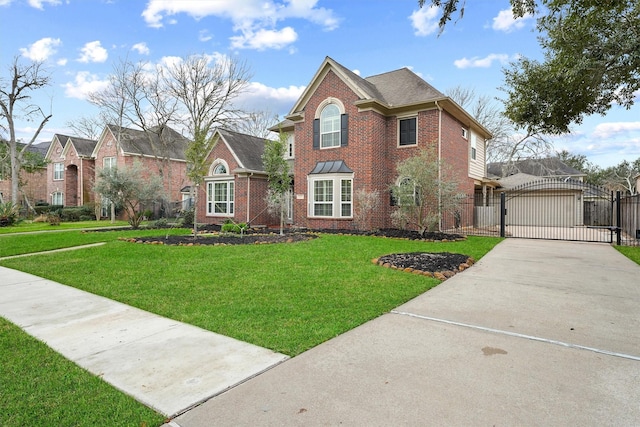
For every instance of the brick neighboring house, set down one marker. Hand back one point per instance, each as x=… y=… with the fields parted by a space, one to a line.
x=71 y=171
x=236 y=184
x=32 y=187
x=159 y=153
x=349 y=133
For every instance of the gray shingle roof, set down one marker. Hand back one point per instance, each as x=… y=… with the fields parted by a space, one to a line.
x=402 y=87
x=247 y=148
x=84 y=146
x=547 y=167
x=136 y=142
x=337 y=166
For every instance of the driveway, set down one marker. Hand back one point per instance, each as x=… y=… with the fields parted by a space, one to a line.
x=536 y=333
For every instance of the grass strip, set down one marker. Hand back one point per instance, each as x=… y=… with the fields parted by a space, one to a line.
x=39 y=387
x=631 y=252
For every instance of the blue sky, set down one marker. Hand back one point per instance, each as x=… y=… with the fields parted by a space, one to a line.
x=283 y=42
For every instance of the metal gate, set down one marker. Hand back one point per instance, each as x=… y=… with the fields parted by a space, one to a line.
x=560 y=210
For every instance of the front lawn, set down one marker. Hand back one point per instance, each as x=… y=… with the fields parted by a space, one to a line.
x=631 y=252
x=30 y=226
x=286 y=297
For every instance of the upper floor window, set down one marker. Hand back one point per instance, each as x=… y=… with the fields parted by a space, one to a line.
x=474 y=146
x=331 y=125
x=219 y=169
x=58 y=171
x=464 y=133
x=407 y=131
x=109 y=163
x=290 y=147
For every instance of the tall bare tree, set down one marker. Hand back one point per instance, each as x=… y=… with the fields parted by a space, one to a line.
x=86 y=127
x=256 y=123
x=136 y=96
x=507 y=145
x=205 y=88
x=15 y=103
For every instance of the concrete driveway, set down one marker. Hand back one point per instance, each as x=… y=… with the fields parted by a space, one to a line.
x=536 y=333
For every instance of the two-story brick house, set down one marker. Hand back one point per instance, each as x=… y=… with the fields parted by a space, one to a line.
x=349 y=133
x=159 y=153
x=70 y=171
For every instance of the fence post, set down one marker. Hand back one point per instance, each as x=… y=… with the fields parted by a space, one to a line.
x=503 y=213
x=618 y=219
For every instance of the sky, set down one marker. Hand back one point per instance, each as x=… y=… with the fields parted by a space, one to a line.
x=283 y=42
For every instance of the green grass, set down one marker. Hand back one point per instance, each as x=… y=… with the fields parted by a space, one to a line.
x=286 y=297
x=39 y=387
x=28 y=226
x=16 y=244
x=631 y=252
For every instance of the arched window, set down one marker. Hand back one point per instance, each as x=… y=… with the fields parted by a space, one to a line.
x=330 y=126
x=219 y=169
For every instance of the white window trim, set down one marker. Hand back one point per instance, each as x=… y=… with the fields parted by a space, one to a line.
x=230 y=202
x=413 y=116
x=337 y=201
x=465 y=133
x=57 y=171
x=54 y=195
x=215 y=164
x=335 y=129
x=109 y=163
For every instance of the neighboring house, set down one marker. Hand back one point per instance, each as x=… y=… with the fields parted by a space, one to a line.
x=549 y=167
x=70 y=171
x=160 y=153
x=348 y=133
x=235 y=187
x=32 y=183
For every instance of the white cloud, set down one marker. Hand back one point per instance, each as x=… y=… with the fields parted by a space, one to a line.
x=5 y=2
x=39 y=4
x=141 y=48
x=84 y=84
x=608 y=130
x=93 y=52
x=255 y=20
x=42 y=49
x=264 y=39
x=477 y=62
x=506 y=22
x=260 y=97
x=62 y=62
x=425 y=20
x=204 y=36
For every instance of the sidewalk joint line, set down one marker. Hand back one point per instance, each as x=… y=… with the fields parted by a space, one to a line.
x=517 y=335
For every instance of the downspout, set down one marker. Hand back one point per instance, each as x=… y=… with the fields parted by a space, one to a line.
x=439 y=165
x=248 y=196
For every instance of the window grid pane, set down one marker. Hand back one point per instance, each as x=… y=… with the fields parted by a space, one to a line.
x=330 y=127
x=345 y=198
x=323 y=198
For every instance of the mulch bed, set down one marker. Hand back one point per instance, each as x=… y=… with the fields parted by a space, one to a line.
x=441 y=265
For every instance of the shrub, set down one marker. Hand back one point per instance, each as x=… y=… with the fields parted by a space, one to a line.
x=232 y=227
x=160 y=223
x=9 y=214
x=76 y=213
x=187 y=217
x=53 y=219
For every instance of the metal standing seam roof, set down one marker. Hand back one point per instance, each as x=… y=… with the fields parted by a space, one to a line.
x=337 y=166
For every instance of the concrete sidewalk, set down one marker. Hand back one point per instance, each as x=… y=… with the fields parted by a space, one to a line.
x=536 y=333
x=167 y=365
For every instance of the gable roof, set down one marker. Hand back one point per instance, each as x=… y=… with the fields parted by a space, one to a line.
x=84 y=146
x=62 y=139
x=135 y=142
x=389 y=93
x=547 y=167
x=246 y=149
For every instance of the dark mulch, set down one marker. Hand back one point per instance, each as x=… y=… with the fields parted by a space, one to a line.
x=444 y=262
x=426 y=261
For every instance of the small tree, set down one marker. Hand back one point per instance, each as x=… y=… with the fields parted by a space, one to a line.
x=423 y=191
x=125 y=186
x=366 y=202
x=277 y=170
